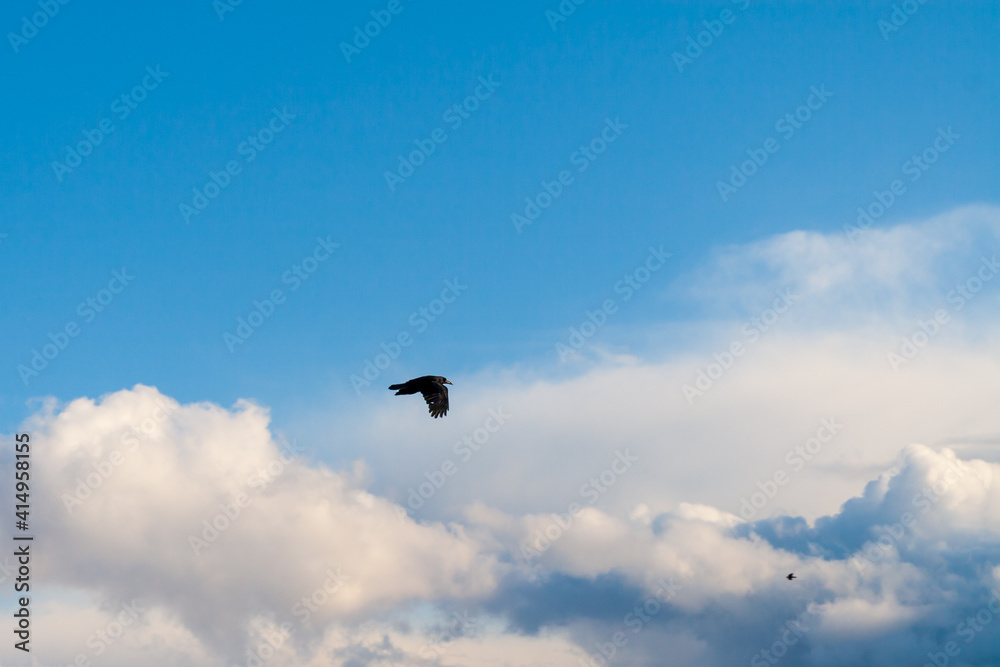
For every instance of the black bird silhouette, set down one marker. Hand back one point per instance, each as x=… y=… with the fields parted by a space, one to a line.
x=791 y=575
x=434 y=390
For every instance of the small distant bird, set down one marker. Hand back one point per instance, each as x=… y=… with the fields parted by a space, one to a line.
x=434 y=390
x=791 y=575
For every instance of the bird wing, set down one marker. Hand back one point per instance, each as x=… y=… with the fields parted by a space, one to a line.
x=436 y=396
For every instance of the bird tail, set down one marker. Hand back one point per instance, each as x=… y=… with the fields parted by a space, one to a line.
x=395 y=386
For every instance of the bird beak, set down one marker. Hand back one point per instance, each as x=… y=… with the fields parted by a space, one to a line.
x=447 y=382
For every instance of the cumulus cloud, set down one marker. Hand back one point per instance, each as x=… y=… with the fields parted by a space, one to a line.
x=602 y=515
x=202 y=512
x=907 y=560
x=901 y=566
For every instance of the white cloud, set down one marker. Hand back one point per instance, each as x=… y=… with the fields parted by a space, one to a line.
x=190 y=520
x=811 y=416
x=309 y=521
x=883 y=273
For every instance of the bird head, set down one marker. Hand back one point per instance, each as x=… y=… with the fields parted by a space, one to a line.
x=445 y=381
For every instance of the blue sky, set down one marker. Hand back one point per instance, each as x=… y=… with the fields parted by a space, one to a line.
x=324 y=174
x=234 y=182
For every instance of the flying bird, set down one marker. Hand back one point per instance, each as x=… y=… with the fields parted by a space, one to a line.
x=791 y=575
x=433 y=389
